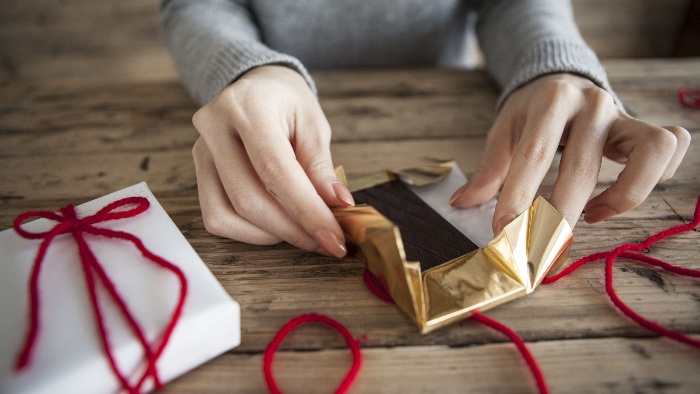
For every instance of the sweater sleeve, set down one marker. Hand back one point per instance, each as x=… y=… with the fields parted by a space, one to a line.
x=525 y=39
x=214 y=42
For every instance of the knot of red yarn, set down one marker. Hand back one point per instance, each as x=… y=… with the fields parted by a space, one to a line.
x=69 y=223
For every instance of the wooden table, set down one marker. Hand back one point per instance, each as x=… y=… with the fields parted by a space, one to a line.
x=70 y=140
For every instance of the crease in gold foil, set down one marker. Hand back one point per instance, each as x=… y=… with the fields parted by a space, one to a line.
x=509 y=267
x=418 y=176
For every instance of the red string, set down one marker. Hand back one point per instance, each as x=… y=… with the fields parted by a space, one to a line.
x=623 y=251
x=379 y=289
x=520 y=344
x=689 y=97
x=294 y=323
x=376 y=288
x=68 y=223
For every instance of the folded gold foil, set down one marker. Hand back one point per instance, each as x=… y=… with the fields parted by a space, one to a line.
x=508 y=267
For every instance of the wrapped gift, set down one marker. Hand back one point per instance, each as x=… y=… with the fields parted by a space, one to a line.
x=68 y=354
x=425 y=254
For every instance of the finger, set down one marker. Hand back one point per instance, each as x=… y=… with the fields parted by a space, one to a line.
x=312 y=147
x=531 y=161
x=581 y=159
x=649 y=150
x=682 y=145
x=219 y=216
x=277 y=167
x=254 y=202
x=492 y=169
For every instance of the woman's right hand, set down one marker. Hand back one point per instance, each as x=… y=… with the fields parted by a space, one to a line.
x=263 y=163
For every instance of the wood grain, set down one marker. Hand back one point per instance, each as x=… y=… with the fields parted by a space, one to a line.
x=607 y=365
x=64 y=140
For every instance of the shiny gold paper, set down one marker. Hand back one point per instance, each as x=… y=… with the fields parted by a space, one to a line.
x=418 y=176
x=509 y=267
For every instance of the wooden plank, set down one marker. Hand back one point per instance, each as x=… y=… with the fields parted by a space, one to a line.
x=127 y=114
x=630 y=28
x=274 y=284
x=95 y=173
x=614 y=365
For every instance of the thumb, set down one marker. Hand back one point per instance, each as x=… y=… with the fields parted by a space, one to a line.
x=491 y=171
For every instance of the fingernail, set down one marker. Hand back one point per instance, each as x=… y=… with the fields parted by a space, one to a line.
x=343 y=194
x=502 y=222
x=456 y=196
x=330 y=242
x=599 y=213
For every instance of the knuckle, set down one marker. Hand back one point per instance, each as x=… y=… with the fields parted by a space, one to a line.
x=214 y=223
x=662 y=140
x=200 y=118
x=306 y=213
x=628 y=198
x=271 y=170
x=318 y=163
x=297 y=239
x=535 y=152
x=599 y=98
x=581 y=168
x=560 y=89
x=516 y=200
x=247 y=205
x=682 y=135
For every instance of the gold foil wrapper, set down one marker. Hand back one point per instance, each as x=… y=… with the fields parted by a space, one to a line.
x=508 y=267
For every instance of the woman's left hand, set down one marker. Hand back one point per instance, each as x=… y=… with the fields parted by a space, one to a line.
x=568 y=110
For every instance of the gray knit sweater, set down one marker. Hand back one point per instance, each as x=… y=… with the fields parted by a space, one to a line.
x=213 y=42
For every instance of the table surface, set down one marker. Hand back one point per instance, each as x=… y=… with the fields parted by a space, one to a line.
x=71 y=140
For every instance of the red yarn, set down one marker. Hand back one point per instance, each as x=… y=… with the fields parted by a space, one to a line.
x=378 y=290
x=68 y=222
x=520 y=344
x=289 y=327
x=622 y=251
x=689 y=97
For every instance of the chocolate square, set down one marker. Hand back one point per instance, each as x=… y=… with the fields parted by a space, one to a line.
x=427 y=236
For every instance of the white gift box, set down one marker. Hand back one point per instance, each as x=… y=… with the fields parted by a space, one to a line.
x=68 y=356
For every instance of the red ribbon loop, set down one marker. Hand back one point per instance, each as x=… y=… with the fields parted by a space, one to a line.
x=69 y=223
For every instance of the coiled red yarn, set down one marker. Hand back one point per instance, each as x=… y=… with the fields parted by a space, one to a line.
x=294 y=323
x=69 y=223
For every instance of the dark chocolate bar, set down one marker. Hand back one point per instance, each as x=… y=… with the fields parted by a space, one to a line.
x=427 y=236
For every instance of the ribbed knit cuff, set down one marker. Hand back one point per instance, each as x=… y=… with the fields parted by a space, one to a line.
x=556 y=56
x=235 y=60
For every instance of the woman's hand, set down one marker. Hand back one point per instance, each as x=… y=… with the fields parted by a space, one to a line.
x=263 y=163
x=567 y=110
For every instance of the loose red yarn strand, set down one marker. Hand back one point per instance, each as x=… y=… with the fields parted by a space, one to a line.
x=520 y=344
x=610 y=256
x=374 y=286
x=623 y=251
x=69 y=223
x=294 y=323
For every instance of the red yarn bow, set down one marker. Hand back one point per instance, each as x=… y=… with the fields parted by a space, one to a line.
x=69 y=223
